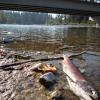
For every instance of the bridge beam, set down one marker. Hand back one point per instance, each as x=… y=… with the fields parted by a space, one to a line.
x=52 y=6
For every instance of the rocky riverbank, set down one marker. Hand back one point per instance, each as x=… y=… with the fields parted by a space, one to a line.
x=21 y=83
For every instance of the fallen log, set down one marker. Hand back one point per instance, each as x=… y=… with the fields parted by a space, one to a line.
x=18 y=56
x=41 y=59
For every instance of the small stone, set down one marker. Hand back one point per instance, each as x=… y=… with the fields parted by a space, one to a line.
x=37 y=53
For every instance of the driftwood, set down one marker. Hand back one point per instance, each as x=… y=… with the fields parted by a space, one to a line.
x=22 y=57
x=36 y=60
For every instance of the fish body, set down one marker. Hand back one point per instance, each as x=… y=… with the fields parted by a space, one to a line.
x=77 y=82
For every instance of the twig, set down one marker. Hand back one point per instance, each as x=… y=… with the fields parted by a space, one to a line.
x=32 y=60
x=77 y=54
x=36 y=60
x=22 y=57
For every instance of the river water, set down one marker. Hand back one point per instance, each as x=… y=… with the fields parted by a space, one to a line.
x=59 y=39
x=50 y=38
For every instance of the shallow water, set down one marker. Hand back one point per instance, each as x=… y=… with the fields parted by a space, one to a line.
x=55 y=40
x=32 y=37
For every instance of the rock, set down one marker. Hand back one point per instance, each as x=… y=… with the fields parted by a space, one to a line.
x=20 y=87
x=8 y=40
x=48 y=79
x=37 y=53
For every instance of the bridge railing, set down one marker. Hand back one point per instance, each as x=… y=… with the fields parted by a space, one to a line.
x=91 y=1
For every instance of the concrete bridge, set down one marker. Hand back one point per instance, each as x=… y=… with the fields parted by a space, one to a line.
x=52 y=6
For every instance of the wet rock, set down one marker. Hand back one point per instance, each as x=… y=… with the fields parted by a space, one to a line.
x=48 y=79
x=37 y=53
x=8 y=40
x=20 y=87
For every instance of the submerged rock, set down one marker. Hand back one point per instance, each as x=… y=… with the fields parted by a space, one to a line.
x=8 y=40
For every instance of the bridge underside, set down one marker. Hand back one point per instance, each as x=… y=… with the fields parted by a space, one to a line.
x=52 y=6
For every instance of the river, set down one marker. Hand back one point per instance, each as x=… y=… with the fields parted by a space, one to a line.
x=59 y=39
x=52 y=37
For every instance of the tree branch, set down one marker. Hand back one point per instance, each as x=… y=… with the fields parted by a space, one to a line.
x=41 y=59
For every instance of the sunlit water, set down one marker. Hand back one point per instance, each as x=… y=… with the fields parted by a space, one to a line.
x=49 y=38
x=59 y=39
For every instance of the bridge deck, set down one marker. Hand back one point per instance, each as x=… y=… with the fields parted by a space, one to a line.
x=52 y=6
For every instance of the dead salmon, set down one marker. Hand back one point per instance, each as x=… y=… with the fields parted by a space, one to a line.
x=77 y=82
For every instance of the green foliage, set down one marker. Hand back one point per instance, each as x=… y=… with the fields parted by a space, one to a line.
x=3 y=17
x=72 y=19
x=12 y=17
x=60 y=19
x=15 y=17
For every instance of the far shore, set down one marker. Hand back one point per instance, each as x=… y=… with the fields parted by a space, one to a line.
x=47 y=25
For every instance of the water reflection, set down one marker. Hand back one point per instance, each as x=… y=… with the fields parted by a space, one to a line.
x=50 y=38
